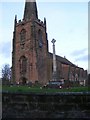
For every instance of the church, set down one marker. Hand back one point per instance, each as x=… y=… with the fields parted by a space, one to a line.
x=31 y=59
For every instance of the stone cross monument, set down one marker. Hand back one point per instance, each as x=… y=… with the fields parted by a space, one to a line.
x=54 y=76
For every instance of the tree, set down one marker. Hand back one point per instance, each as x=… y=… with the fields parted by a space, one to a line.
x=6 y=74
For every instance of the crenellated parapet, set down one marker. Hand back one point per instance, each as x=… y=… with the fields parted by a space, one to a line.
x=40 y=22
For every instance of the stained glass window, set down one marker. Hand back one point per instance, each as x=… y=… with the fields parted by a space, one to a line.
x=23 y=64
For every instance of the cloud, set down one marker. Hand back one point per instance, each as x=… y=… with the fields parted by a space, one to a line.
x=82 y=58
x=5 y=54
x=5 y=49
x=79 y=52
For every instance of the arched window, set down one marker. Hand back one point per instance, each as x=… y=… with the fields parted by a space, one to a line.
x=23 y=64
x=23 y=35
x=40 y=38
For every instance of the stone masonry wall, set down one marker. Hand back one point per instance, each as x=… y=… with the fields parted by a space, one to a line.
x=59 y=105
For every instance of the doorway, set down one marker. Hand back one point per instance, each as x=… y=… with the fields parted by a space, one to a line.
x=24 y=80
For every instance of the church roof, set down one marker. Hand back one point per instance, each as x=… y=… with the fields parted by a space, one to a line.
x=62 y=60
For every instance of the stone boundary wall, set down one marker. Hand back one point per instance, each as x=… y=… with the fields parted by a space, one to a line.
x=45 y=105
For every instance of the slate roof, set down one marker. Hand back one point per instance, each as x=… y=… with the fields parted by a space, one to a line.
x=62 y=60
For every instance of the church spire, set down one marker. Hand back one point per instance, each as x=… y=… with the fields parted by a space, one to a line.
x=30 y=9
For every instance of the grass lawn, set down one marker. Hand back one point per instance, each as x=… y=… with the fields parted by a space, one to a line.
x=42 y=90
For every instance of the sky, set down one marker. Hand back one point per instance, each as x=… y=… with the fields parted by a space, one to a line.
x=67 y=23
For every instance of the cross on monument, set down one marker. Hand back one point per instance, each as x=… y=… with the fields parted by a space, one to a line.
x=54 y=77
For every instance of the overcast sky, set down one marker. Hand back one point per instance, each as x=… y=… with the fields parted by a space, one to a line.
x=67 y=22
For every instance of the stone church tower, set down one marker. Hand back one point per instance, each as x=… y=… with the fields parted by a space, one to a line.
x=31 y=60
x=30 y=47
